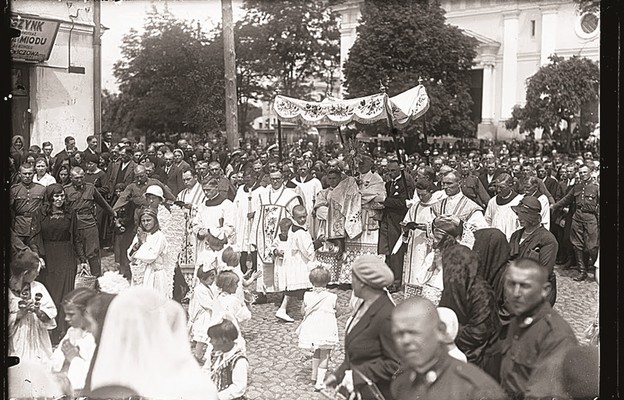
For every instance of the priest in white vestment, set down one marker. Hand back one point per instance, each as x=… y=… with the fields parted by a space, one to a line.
x=307 y=186
x=275 y=203
x=246 y=204
x=456 y=203
x=499 y=213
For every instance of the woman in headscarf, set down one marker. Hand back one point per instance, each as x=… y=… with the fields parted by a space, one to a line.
x=472 y=299
x=147 y=255
x=444 y=231
x=493 y=251
x=154 y=360
x=371 y=354
x=17 y=150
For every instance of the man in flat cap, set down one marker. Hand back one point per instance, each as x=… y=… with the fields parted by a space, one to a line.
x=428 y=371
x=370 y=352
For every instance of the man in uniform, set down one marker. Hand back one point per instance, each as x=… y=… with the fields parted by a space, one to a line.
x=471 y=186
x=584 y=229
x=427 y=371
x=81 y=198
x=537 y=338
x=26 y=199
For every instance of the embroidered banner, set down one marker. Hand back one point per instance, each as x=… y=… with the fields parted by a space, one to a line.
x=404 y=107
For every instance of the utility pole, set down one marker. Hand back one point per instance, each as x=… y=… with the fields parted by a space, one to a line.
x=229 y=55
x=97 y=73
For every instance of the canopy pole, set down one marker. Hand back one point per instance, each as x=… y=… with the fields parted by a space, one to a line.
x=279 y=138
x=394 y=133
x=341 y=138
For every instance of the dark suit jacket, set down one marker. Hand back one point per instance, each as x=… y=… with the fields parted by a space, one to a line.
x=370 y=349
x=552 y=185
x=486 y=184
x=111 y=175
x=58 y=160
x=174 y=179
x=393 y=213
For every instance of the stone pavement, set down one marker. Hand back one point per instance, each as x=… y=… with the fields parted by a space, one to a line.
x=280 y=370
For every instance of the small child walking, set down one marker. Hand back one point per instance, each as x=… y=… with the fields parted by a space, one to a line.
x=319 y=329
x=449 y=318
x=233 y=306
x=229 y=368
x=201 y=307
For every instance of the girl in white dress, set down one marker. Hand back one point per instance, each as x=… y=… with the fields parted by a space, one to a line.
x=319 y=330
x=73 y=356
x=31 y=311
x=147 y=256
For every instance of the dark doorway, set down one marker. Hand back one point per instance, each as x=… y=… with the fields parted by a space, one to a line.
x=20 y=103
x=476 y=91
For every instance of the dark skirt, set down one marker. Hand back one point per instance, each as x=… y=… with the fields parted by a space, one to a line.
x=59 y=277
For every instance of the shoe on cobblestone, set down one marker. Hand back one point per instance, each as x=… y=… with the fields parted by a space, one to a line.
x=318 y=387
x=283 y=316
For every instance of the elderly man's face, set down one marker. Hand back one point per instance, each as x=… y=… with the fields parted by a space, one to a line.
x=524 y=290
x=210 y=190
x=125 y=156
x=393 y=170
x=276 y=180
x=450 y=184
x=93 y=143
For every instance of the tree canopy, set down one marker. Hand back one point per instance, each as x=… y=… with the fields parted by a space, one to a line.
x=169 y=78
x=400 y=41
x=558 y=91
x=284 y=45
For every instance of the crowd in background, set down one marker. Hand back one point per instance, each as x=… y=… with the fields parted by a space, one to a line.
x=469 y=233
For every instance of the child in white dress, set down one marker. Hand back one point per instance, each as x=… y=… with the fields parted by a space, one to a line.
x=201 y=310
x=319 y=330
x=147 y=256
x=234 y=307
x=31 y=311
x=73 y=356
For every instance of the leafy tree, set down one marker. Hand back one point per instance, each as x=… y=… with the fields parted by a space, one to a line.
x=561 y=90
x=401 y=40
x=284 y=45
x=170 y=79
x=588 y=6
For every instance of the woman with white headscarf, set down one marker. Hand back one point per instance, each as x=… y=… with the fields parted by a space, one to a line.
x=154 y=358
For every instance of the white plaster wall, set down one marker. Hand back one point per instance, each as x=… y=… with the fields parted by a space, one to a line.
x=62 y=103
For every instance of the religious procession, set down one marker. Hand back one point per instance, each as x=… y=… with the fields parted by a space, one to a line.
x=408 y=265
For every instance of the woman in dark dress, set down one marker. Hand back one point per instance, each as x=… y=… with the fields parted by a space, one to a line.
x=472 y=299
x=61 y=252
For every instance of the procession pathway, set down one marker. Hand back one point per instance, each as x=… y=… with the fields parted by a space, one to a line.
x=280 y=370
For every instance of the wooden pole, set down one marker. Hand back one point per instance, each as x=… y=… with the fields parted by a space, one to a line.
x=229 y=56
x=279 y=138
x=97 y=73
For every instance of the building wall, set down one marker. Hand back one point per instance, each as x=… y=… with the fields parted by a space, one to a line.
x=62 y=103
x=508 y=58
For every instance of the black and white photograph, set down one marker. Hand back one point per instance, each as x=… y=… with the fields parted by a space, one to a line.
x=308 y=199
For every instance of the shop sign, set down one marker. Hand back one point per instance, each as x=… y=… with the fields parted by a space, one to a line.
x=36 y=38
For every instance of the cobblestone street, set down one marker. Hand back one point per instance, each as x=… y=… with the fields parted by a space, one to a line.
x=280 y=370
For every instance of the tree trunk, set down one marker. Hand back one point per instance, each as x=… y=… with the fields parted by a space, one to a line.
x=229 y=55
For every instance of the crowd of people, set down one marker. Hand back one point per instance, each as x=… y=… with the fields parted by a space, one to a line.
x=470 y=237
